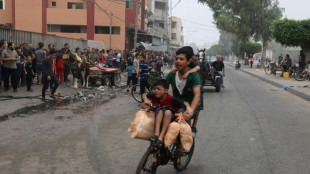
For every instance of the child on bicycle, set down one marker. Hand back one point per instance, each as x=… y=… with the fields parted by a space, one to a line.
x=165 y=105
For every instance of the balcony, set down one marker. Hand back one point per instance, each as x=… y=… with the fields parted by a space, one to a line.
x=157 y=31
x=159 y=15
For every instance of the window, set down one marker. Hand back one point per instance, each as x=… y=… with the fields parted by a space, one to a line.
x=102 y=30
x=53 y=4
x=162 y=25
x=160 y=5
x=174 y=25
x=73 y=5
x=129 y=3
x=67 y=28
x=2 y=4
x=106 y=30
x=173 y=36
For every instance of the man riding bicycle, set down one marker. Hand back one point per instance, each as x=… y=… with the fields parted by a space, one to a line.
x=186 y=89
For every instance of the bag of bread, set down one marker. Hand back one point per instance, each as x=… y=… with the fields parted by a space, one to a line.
x=143 y=125
x=186 y=136
x=172 y=133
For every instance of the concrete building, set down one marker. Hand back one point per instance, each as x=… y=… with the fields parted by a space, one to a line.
x=176 y=32
x=130 y=18
x=158 y=21
x=81 y=19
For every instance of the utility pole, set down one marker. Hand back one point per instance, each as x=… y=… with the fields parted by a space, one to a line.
x=136 y=24
x=111 y=14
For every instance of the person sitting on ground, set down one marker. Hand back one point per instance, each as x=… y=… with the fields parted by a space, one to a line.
x=218 y=68
x=188 y=89
x=165 y=105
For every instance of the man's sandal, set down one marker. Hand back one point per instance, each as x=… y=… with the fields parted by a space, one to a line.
x=153 y=138
x=159 y=144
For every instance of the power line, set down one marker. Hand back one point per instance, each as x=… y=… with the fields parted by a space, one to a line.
x=176 y=4
x=198 y=23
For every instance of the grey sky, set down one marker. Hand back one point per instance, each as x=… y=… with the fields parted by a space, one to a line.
x=193 y=14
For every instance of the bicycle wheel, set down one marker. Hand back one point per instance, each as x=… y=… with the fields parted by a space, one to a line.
x=300 y=75
x=148 y=163
x=136 y=92
x=182 y=162
x=267 y=69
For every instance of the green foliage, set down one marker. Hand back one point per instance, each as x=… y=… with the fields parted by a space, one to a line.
x=249 y=47
x=294 y=33
x=213 y=50
x=244 y=17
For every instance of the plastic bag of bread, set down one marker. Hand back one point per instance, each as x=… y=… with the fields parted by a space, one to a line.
x=172 y=133
x=186 y=136
x=143 y=125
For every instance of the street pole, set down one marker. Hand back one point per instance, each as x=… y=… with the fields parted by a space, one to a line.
x=136 y=25
x=111 y=14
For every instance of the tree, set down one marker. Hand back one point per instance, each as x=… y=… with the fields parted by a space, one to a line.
x=246 y=18
x=249 y=48
x=293 y=33
x=213 y=50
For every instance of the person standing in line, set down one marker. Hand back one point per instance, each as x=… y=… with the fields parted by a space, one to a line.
x=34 y=61
x=135 y=70
x=302 y=60
x=28 y=72
x=251 y=60
x=20 y=67
x=143 y=72
x=40 y=56
x=59 y=67
x=1 y=62
x=9 y=58
x=65 y=56
x=48 y=75
x=129 y=75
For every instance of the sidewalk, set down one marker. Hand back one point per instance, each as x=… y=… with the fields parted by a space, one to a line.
x=278 y=81
x=11 y=102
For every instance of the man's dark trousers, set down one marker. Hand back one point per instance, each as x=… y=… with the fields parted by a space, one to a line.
x=46 y=84
x=7 y=73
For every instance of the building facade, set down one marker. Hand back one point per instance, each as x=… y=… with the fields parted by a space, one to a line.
x=130 y=18
x=158 y=22
x=176 y=32
x=81 y=19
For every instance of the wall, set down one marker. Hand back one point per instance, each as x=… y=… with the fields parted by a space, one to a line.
x=101 y=19
x=28 y=16
x=6 y=14
x=19 y=37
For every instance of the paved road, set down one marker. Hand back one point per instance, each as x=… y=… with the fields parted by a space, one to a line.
x=247 y=128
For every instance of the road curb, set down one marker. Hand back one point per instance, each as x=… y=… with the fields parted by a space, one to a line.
x=291 y=90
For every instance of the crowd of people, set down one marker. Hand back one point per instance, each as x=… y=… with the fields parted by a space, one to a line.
x=25 y=64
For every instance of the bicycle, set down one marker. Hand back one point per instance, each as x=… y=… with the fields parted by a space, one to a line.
x=302 y=74
x=136 y=92
x=153 y=158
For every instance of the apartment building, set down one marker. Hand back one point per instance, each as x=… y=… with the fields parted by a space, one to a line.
x=130 y=18
x=158 y=22
x=176 y=32
x=81 y=19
